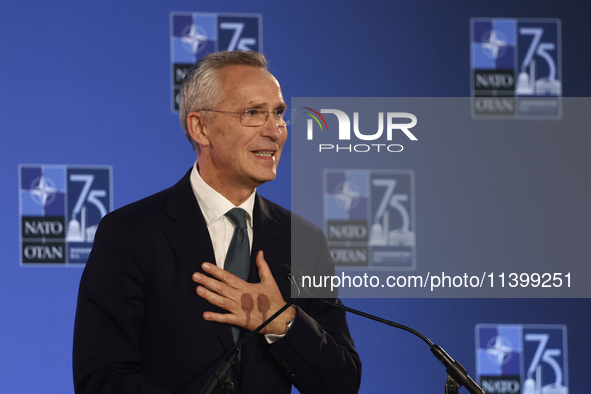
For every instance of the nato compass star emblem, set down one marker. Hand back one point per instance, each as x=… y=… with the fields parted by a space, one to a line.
x=43 y=191
x=347 y=195
x=194 y=38
x=499 y=350
x=495 y=46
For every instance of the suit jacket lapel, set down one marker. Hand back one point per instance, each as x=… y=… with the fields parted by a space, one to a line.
x=271 y=242
x=265 y=238
x=189 y=238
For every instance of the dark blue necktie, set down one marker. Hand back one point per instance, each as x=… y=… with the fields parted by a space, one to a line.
x=238 y=256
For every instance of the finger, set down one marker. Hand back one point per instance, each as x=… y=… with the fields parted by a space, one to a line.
x=210 y=283
x=197 y=277
x=264 y=270
x=215 y=286
x=226 y=318
x=216 y=299
x=229 y=318
x=223 y=275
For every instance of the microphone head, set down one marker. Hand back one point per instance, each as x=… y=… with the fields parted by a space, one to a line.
x=286 y=272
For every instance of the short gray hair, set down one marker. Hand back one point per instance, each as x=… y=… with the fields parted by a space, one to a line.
x=201 y=88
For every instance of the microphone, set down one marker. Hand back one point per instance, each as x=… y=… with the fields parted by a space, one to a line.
x=457 y=376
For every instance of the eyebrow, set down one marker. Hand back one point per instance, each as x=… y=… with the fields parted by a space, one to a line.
x=266 y=105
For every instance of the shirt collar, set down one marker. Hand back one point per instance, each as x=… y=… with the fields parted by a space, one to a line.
x=213 y=205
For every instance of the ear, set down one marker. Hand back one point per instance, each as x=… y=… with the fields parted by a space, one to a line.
x=198 y=129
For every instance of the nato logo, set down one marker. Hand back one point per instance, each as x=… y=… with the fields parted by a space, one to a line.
x=60 y=208
x=369 y=218
x=195 y=35
x=516 y=68
x=525 y=359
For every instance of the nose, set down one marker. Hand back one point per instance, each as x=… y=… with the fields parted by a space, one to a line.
x=272 y=129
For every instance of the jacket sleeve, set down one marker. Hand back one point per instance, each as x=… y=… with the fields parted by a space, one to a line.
x=109 y=317
x=318 y=352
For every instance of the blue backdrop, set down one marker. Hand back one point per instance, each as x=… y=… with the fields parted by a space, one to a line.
x=89 y=83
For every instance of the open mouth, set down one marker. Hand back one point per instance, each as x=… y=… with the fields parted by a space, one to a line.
x=263 y=153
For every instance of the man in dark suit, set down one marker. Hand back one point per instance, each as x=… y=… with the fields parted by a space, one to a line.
x=157 y=311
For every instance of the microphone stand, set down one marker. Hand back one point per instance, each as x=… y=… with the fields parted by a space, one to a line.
x=220 y=375
x=457 y=376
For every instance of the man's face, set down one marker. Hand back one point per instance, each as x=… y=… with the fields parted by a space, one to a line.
x=237 y=155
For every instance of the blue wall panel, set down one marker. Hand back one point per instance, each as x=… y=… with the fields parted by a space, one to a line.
x=88 y=83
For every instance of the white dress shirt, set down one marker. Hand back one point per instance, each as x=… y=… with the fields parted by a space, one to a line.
x=214 y=207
